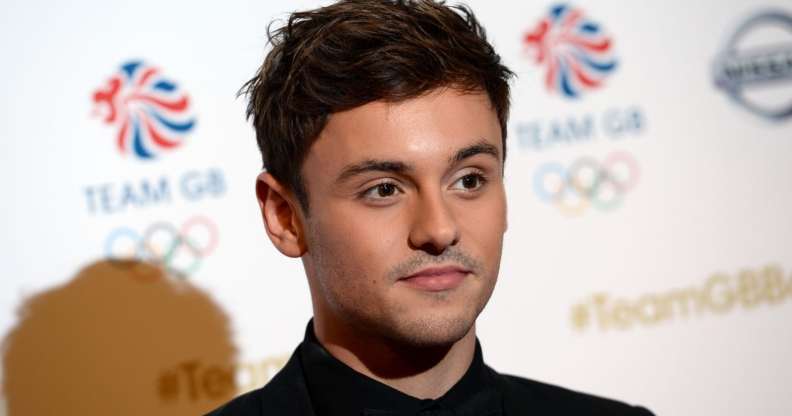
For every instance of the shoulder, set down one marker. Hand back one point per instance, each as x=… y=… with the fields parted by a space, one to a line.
x=248 y=404
x=522 y=393
x=286 y=394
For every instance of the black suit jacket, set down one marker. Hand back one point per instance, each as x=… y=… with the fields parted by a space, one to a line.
x=287 y=395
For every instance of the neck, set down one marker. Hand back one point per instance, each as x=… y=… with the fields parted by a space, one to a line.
x=421 y=372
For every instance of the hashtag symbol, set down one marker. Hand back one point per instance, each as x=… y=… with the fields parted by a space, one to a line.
x=169 y=386
x=580 y=317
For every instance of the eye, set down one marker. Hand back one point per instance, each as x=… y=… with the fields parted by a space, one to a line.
x=380 y=191
x=470 y=182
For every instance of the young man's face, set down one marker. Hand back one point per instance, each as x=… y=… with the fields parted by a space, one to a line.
x=407 y=215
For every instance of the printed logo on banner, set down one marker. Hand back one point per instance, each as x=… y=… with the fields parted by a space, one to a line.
x=152 y=114
x=179 y=249
x=587 y=182
x=719 y=294
x=574 y=50
x=615 y=124
x=194 y=380
x=754 y=67
x=577 y=57
x=190 y=186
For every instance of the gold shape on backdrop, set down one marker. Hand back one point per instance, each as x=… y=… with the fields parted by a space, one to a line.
x=98 y=345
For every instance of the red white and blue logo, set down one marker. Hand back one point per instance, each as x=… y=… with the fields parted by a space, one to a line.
x=574 y=50
x=151 y=112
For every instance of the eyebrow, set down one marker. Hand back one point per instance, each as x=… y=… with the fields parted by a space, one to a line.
x=482 y=147
x=398 y=167
x=373 y=165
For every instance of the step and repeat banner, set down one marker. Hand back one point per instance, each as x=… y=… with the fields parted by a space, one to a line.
x=649 y=250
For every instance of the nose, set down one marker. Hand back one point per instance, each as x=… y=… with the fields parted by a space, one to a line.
x=434 y=227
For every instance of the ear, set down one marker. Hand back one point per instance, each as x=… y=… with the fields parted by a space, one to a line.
x=279 y=209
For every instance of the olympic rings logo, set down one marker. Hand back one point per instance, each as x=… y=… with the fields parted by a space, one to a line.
x=587 y=183
x=179 y=250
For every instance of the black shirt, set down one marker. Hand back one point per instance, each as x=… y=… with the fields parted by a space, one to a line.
x=338 y=390
x=314 y=383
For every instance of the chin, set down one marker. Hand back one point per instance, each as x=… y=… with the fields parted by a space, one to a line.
x=431 y=331
x=440 y=322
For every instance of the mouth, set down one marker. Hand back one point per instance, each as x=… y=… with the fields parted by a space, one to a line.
x=436 y=279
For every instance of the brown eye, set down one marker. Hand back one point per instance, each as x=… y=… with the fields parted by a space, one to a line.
x=385 y=189
x=470 y=181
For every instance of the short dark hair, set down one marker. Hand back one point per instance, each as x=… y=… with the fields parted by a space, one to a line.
x=353 y=52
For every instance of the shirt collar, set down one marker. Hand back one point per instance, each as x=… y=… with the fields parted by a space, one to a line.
x=338 y=390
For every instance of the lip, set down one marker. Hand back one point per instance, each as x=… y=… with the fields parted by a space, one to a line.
x=436 y=279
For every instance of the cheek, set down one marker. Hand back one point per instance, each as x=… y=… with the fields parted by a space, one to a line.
x=483 y=222
x=362 y=245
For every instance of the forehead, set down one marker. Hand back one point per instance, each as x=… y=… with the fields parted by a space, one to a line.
x=428 y=128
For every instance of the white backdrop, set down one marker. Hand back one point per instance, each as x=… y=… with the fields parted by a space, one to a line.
x=671 y=288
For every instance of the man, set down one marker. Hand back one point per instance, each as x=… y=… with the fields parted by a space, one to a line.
x=382 y=127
